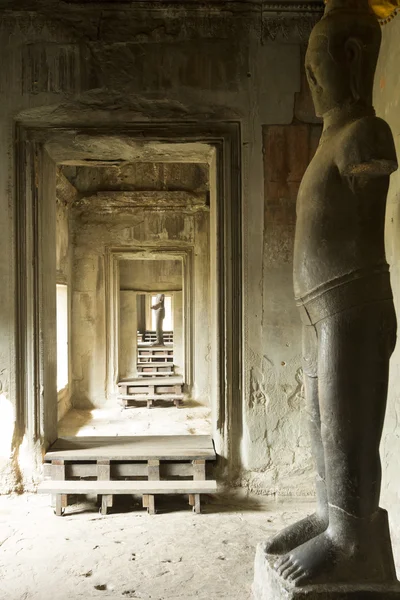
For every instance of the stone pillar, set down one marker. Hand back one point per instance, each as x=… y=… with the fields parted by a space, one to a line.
x=179 y=349
x=128 y=335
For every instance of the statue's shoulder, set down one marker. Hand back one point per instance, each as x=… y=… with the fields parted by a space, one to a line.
x=368 y=128
x=367 y=148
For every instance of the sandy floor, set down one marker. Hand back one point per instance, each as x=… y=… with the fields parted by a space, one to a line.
x=175 y=555
x=191 y=419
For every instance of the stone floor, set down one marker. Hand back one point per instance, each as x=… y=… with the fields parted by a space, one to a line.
x=174 y=555
x=190 y=419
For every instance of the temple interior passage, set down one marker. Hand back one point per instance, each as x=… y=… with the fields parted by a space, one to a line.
x=142 y=231
x=200 y=291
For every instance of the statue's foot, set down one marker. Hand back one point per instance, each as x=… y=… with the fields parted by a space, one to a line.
x=309 y=562
x=297 y=534
x=332 y=559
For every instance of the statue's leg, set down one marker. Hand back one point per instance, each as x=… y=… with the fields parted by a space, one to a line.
x=159 y=330
x=353 y=365
x=313 y=525
x=160 y=337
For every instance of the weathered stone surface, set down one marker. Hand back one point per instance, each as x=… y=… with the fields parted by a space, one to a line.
x=342 y=288
x=149 y=176
x=268 y=585
x=387 y=104
x=109 y=202
x=303 y=107
x=287 y=149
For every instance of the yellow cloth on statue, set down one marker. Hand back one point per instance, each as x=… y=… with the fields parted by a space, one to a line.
x=383 y=8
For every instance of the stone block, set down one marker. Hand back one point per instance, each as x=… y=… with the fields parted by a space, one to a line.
x=268 y=585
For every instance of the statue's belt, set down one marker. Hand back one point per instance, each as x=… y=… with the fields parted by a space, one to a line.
x=348 y=294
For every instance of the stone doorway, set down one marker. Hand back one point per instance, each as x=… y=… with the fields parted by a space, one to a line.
x=41 y=152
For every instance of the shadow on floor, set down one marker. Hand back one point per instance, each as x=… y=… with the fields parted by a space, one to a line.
x=174 y=504
x=133 y=504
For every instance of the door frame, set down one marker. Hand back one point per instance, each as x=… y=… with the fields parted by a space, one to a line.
x=35 y=167
x=113 y=257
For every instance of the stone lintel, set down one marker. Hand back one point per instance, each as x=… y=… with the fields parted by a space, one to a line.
x=109 y=202
x=268 y=585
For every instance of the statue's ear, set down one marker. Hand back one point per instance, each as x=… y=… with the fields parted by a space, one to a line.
x=354 y=52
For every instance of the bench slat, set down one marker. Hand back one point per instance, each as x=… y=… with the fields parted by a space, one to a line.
x=188 y=447
x=127 y=487
x=150 y=397
x=138 y=382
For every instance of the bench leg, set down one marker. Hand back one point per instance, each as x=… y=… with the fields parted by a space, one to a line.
x=104 y=504
x=197 y=505
x=104 y=474
x=153 y=473
x=151 y=508
x=199 y=473
x=58 y=473
x=61 y=503
x=149 y=503
x=64 y=500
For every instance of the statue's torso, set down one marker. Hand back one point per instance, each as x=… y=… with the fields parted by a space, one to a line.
x=340 y=226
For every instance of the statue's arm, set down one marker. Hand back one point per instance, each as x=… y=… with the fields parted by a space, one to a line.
x=368 y=150
x=156 y=306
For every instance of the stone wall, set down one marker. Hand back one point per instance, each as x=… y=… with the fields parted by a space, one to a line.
x=387 y=104
x=151 y=275
x=139 y=176
x=237 y=62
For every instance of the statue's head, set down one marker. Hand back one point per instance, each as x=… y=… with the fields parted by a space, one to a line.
x=342 y=54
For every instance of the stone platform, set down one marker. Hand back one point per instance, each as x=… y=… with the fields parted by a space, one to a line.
x=268 y=585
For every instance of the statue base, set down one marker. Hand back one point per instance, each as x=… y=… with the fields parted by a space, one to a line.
x=268 y=585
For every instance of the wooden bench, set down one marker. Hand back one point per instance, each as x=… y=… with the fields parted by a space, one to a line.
x=151 y=336
x=129 y=400
x=158 y=360
x=148 y=489
x=155 y=371
x=156 y=457
x=151 y=389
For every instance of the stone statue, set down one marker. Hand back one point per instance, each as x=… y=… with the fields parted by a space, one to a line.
x=160 y=316
x=342 y=288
